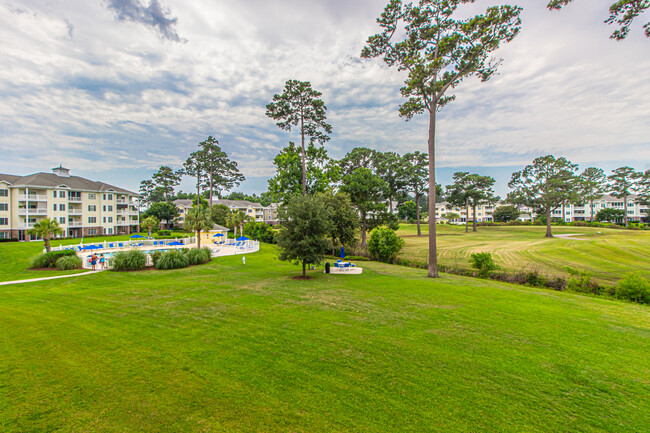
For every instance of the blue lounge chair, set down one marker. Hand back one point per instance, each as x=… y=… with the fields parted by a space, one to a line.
x=111 y=245
x=120 y=245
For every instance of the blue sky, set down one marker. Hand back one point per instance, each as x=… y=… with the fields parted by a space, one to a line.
x=115 y=88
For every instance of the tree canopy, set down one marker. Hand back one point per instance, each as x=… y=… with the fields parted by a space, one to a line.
x=622 y=183
x=366 y=191
x=166 y=180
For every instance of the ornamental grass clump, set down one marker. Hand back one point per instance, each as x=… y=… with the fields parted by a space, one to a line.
x=48 y=260
x=133 y=260
x=68 y=262
x=172 y=260
x=198 y=256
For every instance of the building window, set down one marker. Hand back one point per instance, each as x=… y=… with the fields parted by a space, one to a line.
x=61 y=207
x=104 y=197
x=92 y=220
x=92 y=231
x=4 y=235
x=92 y=196
x=92 y=208
x=61 y=220
x=104 y=219
x=4 y=206
x=4 y=193
x=104 y=208
x=110 y=208
x=54 y=207
x=110 y=196
x=4 y=221
x=54 y=194
x=110 y=219
x=61 y=194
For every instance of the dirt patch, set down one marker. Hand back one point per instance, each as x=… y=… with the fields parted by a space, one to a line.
x=300 y=277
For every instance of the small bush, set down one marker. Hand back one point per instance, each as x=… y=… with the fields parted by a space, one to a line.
x=48 y=260
x=172 y=260
x=197 y=256
x=156 y=256
x=164 y=232
x=67 y=263
x=133 y=260
x=384 y=244
x=633 y=288
x=483 y=263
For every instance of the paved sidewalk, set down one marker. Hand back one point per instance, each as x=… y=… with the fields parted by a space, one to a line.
x=6 y=283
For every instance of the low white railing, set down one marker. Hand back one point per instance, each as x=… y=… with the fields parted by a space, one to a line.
x=32 y=197
x=39 y=211
x=75 y=211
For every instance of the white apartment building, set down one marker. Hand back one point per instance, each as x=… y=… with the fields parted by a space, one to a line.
x=257 y=212
x=570 y=212
x=82 y=207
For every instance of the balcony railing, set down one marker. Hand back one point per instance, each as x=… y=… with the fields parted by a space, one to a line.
x=122 y=211
x=32 y=197
x=121 y=201
x=75 y=212
x=40 y=211
x=75 y=224
x=74 y=199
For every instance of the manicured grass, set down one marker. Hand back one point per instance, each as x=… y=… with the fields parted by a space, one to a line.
x=226 y=347
x=606 y=253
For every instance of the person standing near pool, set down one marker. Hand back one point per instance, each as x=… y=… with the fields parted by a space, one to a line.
x=93 y=261
x=102 y=261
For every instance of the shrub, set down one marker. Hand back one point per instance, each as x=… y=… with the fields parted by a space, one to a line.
x=384 y=244
x=633 y=288
x=156 y=256
x=484 y=263
x=197 y=256
x=133 y=260
x=581 y=282
x=48 y=260
x=164 y=232
x=173 y=260
x=67 y=263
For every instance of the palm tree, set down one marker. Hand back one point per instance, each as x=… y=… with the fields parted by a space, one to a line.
x=45 y=229
x=237 y=218
x=198 y=219
x=149 y=223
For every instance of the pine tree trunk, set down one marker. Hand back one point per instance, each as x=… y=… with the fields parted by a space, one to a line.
x=466 y=214
x=433 y=247
x=625 y=209
x=417 y=213
x=363 y=231
x=198 y=238
x=474 y=211
x=210 y=192
x=549 y=234
x=304 y=164
x=591 y=215
x=304 y=270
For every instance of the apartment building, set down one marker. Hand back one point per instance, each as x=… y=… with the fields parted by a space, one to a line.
x=483 y=212
x=82 y=207
x=257 y=212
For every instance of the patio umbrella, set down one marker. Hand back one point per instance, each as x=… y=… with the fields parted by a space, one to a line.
x=175 y=243
x=218 y=235
x=242 y=238
x=136 y=236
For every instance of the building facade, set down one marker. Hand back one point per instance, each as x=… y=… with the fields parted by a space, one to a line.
x=80 y=206
x=257 y=212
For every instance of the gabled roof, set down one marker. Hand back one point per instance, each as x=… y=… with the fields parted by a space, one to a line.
x=238 y=203
x=184 y=202
x=51 y=180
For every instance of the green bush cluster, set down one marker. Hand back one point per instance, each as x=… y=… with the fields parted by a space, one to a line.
x=156 y=256
x=67 y=263
x=483 y=263
x=260 y=231
x=174 y=259
x=197 y=256
x=633 y=288
x=384 y=244
x=48 y=260
x=164 y=232
x=133 y=260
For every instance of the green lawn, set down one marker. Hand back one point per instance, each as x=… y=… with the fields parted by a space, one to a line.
x=608 y=254
x=227 y=347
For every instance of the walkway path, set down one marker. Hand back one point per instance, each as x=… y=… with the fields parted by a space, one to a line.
x=6 y=283
x=570 y=236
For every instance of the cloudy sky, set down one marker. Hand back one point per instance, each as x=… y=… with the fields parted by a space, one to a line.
x=115 y=88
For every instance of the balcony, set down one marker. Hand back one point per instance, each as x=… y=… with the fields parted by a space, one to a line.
x=122 y=223
x=122 y=212
x=75 y=212
x=26 y=225
x=32 y=197
x=74 y=199
x=122 y=201
x=75 y=224
x=32 y=211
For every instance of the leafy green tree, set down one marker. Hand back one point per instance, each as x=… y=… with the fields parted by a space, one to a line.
x=345 y=220
x=149 y=223
x=438 y=51
x=166 y=179
x=480 y=192
x=220 y=214
x=46 y=229
x=544 y=185
x=390 y=167
x=458 y=193
x=451 y=216
x=384 y=244
x=622 y=183
x=366 y=191
x=194 y=167
x=320 y=175
x=164 y=211
x=505 y=214
x=610 y=215
x=621 y=12
x=359 y=157
x=260 y=231
x=643 y=189
x=221 y=173
x=408 y=211
x=416 y=165
x=591 y=184
x=305 y=224
x=300 y=106
x=150 y=193
x=197 y=219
